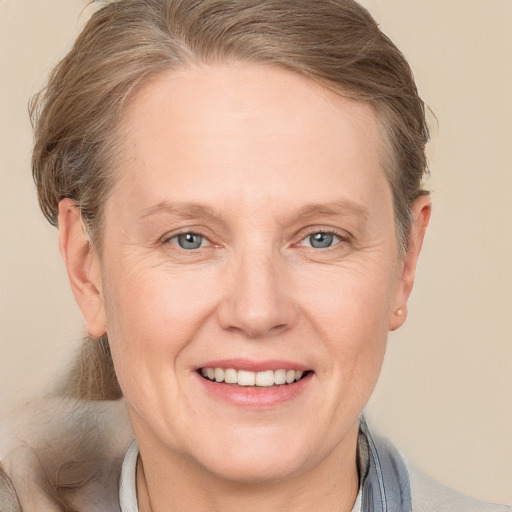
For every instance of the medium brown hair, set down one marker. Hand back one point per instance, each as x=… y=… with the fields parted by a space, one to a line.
x=127 y=43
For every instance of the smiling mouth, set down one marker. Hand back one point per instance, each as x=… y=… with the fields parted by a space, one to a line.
x=263 y=379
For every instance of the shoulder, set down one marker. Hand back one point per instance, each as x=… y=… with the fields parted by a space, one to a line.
x=58 y=451
x=8 y=497
x=428 y=495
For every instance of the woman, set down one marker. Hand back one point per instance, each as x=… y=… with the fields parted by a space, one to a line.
x=238 y=190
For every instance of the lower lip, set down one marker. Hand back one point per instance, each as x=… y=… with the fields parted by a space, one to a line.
x=255 y=397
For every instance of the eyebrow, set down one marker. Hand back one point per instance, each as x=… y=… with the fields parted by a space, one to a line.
x=344 y=208
x=336 y=208
x=185 y=210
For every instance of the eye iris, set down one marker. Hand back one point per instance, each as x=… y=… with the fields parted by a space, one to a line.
x=321 y=240
x=190 y=241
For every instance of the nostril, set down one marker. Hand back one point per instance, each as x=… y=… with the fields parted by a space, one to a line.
x=258 y=304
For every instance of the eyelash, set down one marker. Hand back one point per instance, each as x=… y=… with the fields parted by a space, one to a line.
x=329 y=232
x=335 y=234
x=169 y=240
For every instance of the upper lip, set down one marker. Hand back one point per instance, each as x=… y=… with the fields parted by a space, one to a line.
x=253 y=365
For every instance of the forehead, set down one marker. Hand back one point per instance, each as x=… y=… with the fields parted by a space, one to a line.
x=249 y=131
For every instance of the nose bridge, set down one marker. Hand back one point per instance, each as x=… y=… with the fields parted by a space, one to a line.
x=256 y=301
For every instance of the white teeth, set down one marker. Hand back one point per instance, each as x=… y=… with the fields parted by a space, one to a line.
x=230 y=376
x=279 y=376
x=266 y=378
x=246 y=378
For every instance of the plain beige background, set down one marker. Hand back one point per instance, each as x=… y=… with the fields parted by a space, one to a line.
x=445 y=395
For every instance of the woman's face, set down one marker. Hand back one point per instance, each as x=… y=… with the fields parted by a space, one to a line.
x=249 y=236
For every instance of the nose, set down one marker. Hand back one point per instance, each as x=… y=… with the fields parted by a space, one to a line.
x=257 y=298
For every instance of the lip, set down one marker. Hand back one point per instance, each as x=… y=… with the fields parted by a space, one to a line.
x=254 y=397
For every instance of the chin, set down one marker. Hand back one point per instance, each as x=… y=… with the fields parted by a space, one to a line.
x=268 y=458
x=261 y=470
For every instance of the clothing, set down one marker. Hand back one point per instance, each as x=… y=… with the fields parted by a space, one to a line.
x=127 y=481
x=388 y=484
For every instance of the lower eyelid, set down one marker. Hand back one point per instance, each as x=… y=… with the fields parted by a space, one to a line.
x=174 y=239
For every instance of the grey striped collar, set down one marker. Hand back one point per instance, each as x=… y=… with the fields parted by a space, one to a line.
x=386 y=486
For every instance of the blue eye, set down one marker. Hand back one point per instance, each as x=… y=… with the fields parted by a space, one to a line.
x=189 y=241
x=322 y=240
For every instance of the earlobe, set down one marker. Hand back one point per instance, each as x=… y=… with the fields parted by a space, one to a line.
x=421 y=210
x=398 y=318
x=83 y=267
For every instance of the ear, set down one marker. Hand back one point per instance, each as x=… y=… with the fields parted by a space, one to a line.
x=83 y=267
x=420 y=210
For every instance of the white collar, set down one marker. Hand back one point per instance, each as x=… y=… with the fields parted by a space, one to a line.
x=127 y=481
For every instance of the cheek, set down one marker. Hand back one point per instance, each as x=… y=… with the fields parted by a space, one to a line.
x=350 y=310
x=151 y=317
x=350 y=300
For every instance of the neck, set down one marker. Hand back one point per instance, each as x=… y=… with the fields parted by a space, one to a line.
x=331 y=485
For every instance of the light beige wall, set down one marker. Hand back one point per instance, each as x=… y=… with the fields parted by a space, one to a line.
x=37 y=315
x=446 y=391
x=448 y=372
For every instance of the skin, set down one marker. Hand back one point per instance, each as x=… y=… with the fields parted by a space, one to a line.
x=271 y=159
